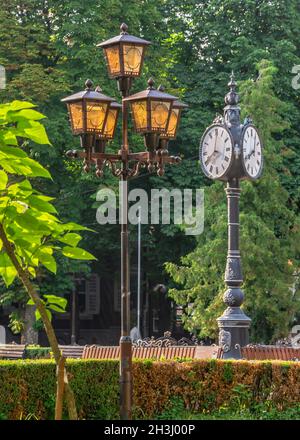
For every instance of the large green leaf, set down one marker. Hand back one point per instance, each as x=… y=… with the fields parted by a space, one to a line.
x=47 y=260
x=74 y=227
x=36 y=169
x=77 y=253
x=37 y=133
x=31 y=224
x=57 y=300
x=3 y=180
x=71 y=239
x=38 y=315
x=20 y=105
x=13 y=152
x=38 y=203
x=29 y=114
x=7 y=269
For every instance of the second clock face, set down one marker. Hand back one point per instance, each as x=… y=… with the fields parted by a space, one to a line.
x=252 y=152
x=216 y=151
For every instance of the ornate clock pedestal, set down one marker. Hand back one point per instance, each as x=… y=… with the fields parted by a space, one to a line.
x=230 y=151
x=233 y=324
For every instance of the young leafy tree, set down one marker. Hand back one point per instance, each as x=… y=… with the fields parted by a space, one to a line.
x=31 y=235
x=269 y=236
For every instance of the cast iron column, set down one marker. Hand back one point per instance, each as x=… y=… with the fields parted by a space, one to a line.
x=125 y=340
x=233 y=324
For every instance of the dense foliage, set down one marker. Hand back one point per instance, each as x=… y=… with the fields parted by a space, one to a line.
x=48 y=50
x=203 y=387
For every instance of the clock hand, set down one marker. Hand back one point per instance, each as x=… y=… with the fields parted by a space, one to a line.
x=215 y=144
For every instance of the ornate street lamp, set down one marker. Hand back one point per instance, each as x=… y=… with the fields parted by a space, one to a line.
x=124 y=56
x=152 y=113
x=90 y=115
x=231 y=151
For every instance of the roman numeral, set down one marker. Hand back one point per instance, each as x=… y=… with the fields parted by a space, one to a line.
x=226 y=140
x=217 y=170
x=226 y=158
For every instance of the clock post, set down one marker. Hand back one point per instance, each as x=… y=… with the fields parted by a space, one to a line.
x=231 y=151
x=233 y=324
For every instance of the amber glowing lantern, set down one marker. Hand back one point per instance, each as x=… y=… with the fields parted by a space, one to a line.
x=151 y=109
x=88 y=111
x=124 y=54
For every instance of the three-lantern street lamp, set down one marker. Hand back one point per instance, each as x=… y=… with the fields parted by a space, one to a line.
x=93 y=117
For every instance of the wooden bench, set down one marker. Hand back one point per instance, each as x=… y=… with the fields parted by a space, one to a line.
x=270 y=352
x=72 y=351
x=172 y=352
x=12 y=351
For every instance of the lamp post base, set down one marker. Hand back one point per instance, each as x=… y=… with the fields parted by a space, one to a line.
x=125 y=377
x=233 y=332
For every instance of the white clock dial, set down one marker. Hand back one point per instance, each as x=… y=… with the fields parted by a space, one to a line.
x=216 y=151
x=252 y=152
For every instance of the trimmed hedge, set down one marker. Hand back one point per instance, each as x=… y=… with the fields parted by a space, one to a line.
x=28 y=386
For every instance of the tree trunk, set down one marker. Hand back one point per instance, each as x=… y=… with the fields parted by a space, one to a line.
x=29 y=336
x=24 y=277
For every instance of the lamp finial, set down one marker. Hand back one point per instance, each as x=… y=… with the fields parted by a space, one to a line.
x=88 y=84
x=124 y=28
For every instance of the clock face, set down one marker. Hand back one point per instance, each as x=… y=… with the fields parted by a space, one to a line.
x=216 y=151
x=252 y=152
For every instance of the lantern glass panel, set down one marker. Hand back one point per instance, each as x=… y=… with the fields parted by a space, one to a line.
x=172 y=125
x=110 y=124
x=75 y=111
x=132 y=56
x=139 y=111
x=113 y=60
x=159 y=115
x=95 y=115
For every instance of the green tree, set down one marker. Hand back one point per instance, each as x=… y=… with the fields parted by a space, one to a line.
x=30 y=232
x=269 y=236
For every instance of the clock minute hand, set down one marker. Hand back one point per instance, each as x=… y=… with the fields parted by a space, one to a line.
x=253 y=149
x=214 y=152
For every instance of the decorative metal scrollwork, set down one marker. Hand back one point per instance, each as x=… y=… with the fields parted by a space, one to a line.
x=166 y=341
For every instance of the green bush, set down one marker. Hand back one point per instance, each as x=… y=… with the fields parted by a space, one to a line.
x=168 y=389
x=37 y=352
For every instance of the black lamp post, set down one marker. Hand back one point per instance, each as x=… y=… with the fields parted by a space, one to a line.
x=231 y=151
x=152 y=111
